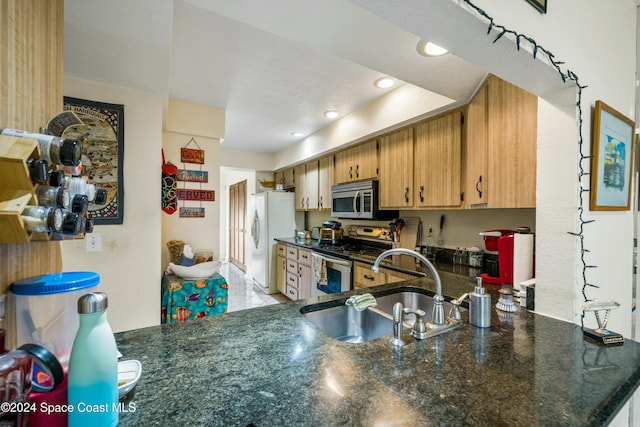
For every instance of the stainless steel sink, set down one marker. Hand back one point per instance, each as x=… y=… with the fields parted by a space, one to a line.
x=345 y=323
x=410 y=299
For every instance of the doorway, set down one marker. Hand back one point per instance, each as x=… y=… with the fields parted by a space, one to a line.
x=237 y=223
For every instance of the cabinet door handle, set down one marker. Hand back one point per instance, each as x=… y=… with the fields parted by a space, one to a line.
x=357 y=171
x=422 y=193
x=406 y=194
x=320 y=203
x=479 y=190
x=350 y=172
x=369 y=277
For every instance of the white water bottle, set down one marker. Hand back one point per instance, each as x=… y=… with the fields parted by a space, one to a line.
x=93 y=366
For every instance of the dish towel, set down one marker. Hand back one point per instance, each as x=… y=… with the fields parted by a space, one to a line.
x=319 y=270
x=362 y=302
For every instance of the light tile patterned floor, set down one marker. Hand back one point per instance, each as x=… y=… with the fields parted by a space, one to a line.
x=243 y=293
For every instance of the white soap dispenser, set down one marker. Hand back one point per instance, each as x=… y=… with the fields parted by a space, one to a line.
x=480 y=306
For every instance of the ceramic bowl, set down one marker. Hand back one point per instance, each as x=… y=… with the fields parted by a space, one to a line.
x=128 y=375
x=197 y=271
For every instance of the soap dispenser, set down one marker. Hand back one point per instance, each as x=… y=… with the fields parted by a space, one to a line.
x=480 y=306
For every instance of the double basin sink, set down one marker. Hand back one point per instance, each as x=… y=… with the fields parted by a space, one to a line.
x=346 y=324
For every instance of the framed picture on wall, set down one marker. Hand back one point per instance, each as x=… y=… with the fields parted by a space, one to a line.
x=541 y=5
x=611 y=161
x=102 y=138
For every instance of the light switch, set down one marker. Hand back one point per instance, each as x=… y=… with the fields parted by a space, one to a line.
x=94 y=242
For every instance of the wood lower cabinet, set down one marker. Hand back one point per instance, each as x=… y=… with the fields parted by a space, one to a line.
x=364 y=277
x=501 y=147
x=356 y=163
x=281 y=268
x=296 y=271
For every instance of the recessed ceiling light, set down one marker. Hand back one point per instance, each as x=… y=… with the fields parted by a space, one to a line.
x=384 y=82
x=296 y=134
x=331 y=114
x=426 y=48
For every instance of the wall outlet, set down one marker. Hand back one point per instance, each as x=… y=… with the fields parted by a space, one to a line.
x=94 y=242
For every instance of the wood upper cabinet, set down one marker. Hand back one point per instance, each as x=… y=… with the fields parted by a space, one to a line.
x=396 y=170
x=511 y=122
x=356 y=163
x=438 y=162
x=477 y=179
x=325 y=181
x=307 y=186
x=285 y=177
x=301 y=187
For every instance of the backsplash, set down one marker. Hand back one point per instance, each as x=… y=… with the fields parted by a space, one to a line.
x=461 y=228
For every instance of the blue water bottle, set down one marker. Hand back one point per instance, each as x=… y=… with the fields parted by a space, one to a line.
x=93 y=367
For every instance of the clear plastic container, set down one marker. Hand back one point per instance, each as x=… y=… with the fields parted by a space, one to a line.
x=46 y=309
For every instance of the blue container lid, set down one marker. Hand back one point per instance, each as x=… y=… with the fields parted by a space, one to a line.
x=55 y=283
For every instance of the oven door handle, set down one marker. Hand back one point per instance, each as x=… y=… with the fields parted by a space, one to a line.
x=332 y=260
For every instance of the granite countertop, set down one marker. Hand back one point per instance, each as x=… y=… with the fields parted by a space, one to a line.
x=270 y=366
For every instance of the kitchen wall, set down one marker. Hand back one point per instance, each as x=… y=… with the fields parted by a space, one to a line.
x=129 y=262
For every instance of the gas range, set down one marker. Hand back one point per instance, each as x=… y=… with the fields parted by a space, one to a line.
x=362 y=241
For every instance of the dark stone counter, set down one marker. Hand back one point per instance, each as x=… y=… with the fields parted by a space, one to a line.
x=272 y=367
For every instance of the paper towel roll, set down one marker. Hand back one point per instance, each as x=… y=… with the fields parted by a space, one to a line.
x=522 y=257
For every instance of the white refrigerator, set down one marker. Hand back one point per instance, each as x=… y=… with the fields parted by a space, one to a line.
x=272 y=215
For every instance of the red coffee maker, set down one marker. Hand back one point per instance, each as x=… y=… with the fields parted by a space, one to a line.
x=501 y=241
x=515 y=256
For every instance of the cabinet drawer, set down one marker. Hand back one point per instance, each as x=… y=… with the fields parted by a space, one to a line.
x=292 y=292
x=292 y=280
x=304 y=256
x=363 y=277
x=292 y=253
x=292 y=266
x=281 y=249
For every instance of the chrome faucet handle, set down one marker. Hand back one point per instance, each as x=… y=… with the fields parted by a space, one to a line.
x=419 y=330
x=454 y=313
x=397 y=325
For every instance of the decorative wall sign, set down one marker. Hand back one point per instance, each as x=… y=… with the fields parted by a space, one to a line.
x=541 y=5
x=193 y=194
x=189 y=155
x=102 y=139
x=192 y=176
x=612 y=155
x=191 y=212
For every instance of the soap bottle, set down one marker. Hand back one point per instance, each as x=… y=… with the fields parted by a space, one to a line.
x=479 y=306
x=93 y=366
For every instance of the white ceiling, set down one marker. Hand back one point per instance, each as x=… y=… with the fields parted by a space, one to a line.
x=273 y=66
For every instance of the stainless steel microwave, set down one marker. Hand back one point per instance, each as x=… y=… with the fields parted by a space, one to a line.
x=358 y=200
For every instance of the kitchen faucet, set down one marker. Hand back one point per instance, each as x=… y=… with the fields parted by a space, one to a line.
x=438 y=319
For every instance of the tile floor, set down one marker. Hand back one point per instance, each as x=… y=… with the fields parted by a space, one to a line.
x=243 y=294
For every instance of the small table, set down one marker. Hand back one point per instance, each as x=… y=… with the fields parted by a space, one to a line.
x=187 y=299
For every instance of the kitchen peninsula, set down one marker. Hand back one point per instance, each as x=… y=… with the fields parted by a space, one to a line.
x=272 y=367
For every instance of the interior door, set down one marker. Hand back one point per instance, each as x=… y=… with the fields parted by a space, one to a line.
x=237 y=225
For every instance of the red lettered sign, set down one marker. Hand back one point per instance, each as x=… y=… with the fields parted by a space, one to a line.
x=192 y=194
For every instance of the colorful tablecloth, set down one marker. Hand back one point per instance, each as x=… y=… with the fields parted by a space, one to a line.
x=191 y=299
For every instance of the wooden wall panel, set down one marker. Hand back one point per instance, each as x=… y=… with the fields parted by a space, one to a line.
x=31 y=72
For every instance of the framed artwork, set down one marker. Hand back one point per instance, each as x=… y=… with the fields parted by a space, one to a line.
x=102 y=137
x=541 y=5
x=612 y=157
